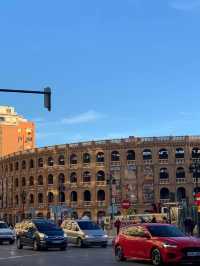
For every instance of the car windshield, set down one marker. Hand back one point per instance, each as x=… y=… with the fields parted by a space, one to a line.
x=3 y=225
x=45 y=227
x=88 y=225
x=165 y=231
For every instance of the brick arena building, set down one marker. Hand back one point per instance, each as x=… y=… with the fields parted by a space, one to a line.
x=146 y=171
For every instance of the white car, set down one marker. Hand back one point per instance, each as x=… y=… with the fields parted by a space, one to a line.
x=6 y=234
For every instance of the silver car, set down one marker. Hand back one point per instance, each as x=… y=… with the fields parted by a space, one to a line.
x=6 y=234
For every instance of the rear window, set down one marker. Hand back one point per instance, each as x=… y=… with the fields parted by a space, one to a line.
x=3 y=226
x=165 y=231
x=88 y=225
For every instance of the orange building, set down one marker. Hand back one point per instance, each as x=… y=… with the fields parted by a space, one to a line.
x=16 y=133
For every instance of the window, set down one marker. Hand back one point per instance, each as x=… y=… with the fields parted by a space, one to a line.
x=115 y=156
x=16 y=200
x=50 y=197
x=86 y=158
x=50 y=179
x=87 y=196
x=23 y=165
x=195 y=153
x=100 y=157
x=164 y=193
x=73 y=159
x=31 y=164
x=180 y=173
x=61 y=196
x=73 y=178
x=164 y=173
x=136 y=231
x=86 y=177
x=100 y=176
x=61 y=160
x=130 y=155
x=74 y=196
x=147 y=154
x=179 y=153
x=165 y=231
x=16 y=166
x=181 y=194
x=61 y=178
x=31 y=181
x=40 y=162
x=40 y=180
x=163 y=154
x=40 y=198
x=16 y=182
x=50 y=161
x=11 y=167
x=23 y=181
x=101 y=195
x=31 y=199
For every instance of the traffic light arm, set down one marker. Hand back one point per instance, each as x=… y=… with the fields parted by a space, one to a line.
x=46 y=93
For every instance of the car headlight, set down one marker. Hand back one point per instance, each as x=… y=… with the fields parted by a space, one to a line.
x=106 y=236
x=42 y=236
x=65 y=235
x=168 y=245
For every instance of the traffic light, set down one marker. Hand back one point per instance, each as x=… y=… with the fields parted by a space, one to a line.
x=47 y=98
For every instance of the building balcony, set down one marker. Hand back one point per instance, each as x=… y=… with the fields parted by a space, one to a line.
x=87 y=203
x=163 y=161
x=73 y=204
x=180 y=180
x=164 y=200
x=41 y=205
x=196 y=180
x=73 y=166
x=85 y=184
x=100 y=164
x=115 y=163
x=73 y=185
x=86 y=165
x=101 y=203
x=101 y=183
x=131 y=162
x=147 y=161
x=180 y=161
x=164 y=181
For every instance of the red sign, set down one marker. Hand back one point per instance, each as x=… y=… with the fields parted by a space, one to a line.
x=126 y=204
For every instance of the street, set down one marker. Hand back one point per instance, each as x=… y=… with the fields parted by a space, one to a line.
x=11 y=256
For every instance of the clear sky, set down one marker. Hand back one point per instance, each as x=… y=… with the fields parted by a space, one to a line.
x=117 y=67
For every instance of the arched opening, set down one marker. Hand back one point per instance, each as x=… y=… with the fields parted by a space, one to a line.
x=50 y=197
x=74 y=196
x=16 y=166
x=100 y=157
x=61 y=196
x=31 y=198
x=86 y=177
x=100 y=176
x=31 y=163
x=31 y=181
x=61 y=178
x=179 y=153
x=11 y=167
x=23 y=164
x=115 y=156
x=130 y=155
x=61 y=160
x=40 y=198
x=196 y=190
x=164 y=173
x=40 y=180
x=163 y=154
x=50 y=161
x=23 y=181
x=101 y=195
x=16 y=182
x=50 y=179
x=181 y=194
x=40 y=215
x=87 y=195
x=87 y=214
x=147 y=154
x=73 y=178
x=195 y=153
x=164 y=193
x=40 y=162
x=180 y=173
x=73 y=159
x=86 y=158
x=16 y=200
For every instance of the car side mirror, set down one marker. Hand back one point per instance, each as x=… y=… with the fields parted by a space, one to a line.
x=76 y=229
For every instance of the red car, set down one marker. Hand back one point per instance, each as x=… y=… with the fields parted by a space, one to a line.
x=158 y=243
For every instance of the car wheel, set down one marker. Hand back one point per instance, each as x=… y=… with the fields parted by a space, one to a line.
x=19 y=244
x=79 y=242
x=11 y=242
x=119 y=255
x=35 y=245
x=156 y=257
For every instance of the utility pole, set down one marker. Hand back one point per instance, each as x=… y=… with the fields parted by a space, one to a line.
x=46 y=93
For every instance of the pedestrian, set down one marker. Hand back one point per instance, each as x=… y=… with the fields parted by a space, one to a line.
x=117 y=225
x=189 y=226
x=154 y=220
x=102 y=224
x=164 y=220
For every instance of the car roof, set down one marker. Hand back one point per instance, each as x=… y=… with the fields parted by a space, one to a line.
x=147 y=224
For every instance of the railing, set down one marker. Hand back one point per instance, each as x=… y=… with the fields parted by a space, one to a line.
x=147 y=161
x=99 y=164
x=180 y=161
x=196 y=180
x=87 y=203
x=131 y=162
x=163 y=161
x=164 y=200
x=101 y=203
x=101 y=183
x=180 y=180
x=164 y=181
x=86 y=165
x=73 y=204
x=117 y=163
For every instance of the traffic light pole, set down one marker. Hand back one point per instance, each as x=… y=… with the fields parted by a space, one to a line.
x=46 y=93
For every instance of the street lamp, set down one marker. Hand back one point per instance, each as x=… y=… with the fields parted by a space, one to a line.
x=195 y=170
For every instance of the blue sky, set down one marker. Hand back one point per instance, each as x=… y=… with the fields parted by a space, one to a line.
x=117 y=68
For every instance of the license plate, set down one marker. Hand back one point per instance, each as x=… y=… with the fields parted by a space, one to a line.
x=193 y=254
x=56 y=242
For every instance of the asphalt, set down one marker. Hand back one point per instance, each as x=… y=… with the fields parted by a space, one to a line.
x=11 y=256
